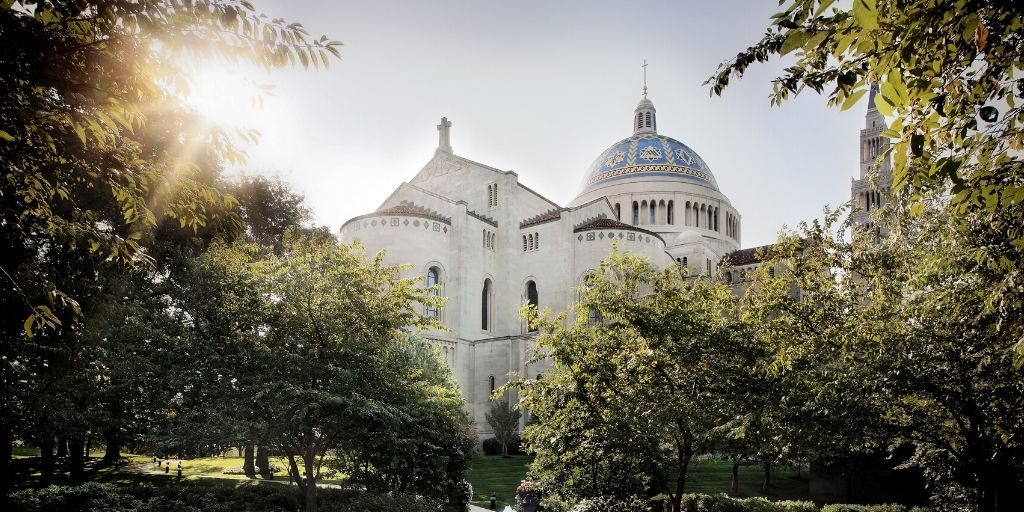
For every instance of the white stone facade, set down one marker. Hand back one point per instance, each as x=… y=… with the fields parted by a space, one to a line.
x=492 y=243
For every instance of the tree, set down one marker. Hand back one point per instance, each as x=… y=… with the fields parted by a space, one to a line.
x=99 y=154
x=269 y=209
x=892 y=344
x=949 y=76
x=312 y=350
x=504 y=421
x=631 y=399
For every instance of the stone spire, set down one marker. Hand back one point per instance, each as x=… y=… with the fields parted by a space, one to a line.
x=444 y=141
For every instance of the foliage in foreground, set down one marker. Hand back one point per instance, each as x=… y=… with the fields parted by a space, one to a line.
x=893 y=341
x=309 y=351
x=93 y=497
x=631 y=399
x=950 y=77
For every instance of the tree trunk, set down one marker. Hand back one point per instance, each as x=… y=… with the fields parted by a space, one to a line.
x=249 y=466
x=263 y=462
x=62 y=447
x=735 y=475
x=113 y=439
x=47 y=461
x=112 y=434
x=767 y=476
x=311 y=501
x=76 y=458
x=685 y=450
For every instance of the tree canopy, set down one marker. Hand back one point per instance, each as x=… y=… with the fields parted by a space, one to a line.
x=951 y=86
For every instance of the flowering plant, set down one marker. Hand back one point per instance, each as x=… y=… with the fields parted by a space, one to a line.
x=527 y=492
x=463 y=492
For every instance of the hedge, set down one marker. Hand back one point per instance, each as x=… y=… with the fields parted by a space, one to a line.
x=266 y=497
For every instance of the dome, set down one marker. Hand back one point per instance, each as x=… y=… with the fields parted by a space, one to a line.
x=648 y=157
x=688 y=237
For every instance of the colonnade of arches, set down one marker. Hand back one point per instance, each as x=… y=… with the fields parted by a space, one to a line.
x=695 y=214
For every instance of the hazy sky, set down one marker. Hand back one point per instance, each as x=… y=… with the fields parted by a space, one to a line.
x=542 y=88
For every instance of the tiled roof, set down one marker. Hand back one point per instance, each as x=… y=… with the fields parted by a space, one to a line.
x=606 y=223
x=405 y=208
x=547 y=216
x=745 y=256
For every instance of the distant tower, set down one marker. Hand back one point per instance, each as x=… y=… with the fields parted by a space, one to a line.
x=865 y=196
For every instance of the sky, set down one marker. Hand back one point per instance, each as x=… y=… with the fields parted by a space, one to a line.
x=541 y=88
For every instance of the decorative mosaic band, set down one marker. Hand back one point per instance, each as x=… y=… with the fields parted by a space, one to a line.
x=649 y=168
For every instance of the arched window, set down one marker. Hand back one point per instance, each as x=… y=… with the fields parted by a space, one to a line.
x=490 y=196
x=643 y=211
x=490 y=383
x=495 y=194
x=532 y=298
x=530 y=238
x=648 y=119
x=636 y=213
x=536 y=240
x=652 y=208
x=485 y=306
x=433 y=285
x=671 y=214
x=524 y=243
x=639 y=120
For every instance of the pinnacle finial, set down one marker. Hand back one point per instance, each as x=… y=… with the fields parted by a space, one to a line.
x=645 y=77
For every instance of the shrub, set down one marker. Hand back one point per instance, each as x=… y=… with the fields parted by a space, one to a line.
x=724 y=503
x=491 y=446
x=610 y=504
x=375 y=502
x=93 y=497
x=863 y=508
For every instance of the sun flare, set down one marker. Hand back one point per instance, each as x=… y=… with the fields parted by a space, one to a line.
x=227 y=97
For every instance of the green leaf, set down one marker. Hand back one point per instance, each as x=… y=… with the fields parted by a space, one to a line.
x=795 y=39
x=864 y=11
x=28 y=325
x=852 y=99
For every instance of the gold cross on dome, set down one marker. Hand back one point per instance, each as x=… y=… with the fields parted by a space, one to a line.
x=645 y=77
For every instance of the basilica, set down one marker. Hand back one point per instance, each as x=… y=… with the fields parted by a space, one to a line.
x=490 y=243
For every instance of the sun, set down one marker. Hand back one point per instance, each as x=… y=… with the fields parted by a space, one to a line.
x=227 y=97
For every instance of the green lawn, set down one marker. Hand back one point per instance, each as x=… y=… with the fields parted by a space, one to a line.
x=142 y=468
x=713 y=477
x=495 y=474
x=498 y=475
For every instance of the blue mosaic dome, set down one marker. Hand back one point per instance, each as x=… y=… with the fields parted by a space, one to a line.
x=648 y=156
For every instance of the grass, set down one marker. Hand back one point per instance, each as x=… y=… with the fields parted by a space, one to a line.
x=501 y=476
x=714 y=477
x=142 y=469
x=498 y=475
